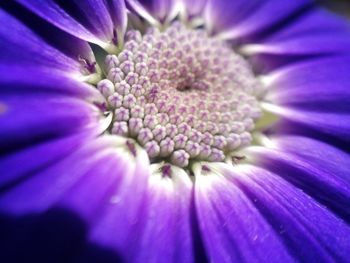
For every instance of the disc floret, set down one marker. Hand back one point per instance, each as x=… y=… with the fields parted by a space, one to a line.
x=181 y=94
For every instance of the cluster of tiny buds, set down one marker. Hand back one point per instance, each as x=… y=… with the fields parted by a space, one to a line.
x=181 y=94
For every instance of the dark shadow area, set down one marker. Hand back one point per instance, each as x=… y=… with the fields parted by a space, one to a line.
x=55 y=236
x=341 y=7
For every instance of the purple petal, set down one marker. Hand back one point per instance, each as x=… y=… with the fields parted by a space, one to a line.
x=46 y=187
x=18 y=78
x=311 y=123
x=316 y=33
x=314 y=95
x=89 y=20
x=117 y=11
x=317 y=85
x=166 y=230
x=120 y=203
x=194 y=7
x=40 y=216
x=321 y=170
x=232 y=228
x=315 y=21
x=61 y=40
x=39 y=157
x=152 y=221
x=310 y=232
x=40 y=116
x=55 y=14
x=152 y=10
x=221 y=15
x=20 y=45
x=261 y=18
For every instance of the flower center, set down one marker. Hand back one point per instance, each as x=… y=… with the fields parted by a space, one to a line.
x=181 y=94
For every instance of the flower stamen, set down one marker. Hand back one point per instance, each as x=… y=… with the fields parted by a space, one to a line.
x=181 y=94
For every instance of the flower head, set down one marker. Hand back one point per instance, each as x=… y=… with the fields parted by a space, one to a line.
x=173 y=131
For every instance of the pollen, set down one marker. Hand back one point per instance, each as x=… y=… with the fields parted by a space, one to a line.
x=181 y=94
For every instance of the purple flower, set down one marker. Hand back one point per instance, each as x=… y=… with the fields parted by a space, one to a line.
x=174 y=131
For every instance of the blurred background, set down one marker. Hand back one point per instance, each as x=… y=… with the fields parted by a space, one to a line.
x=341 y=7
